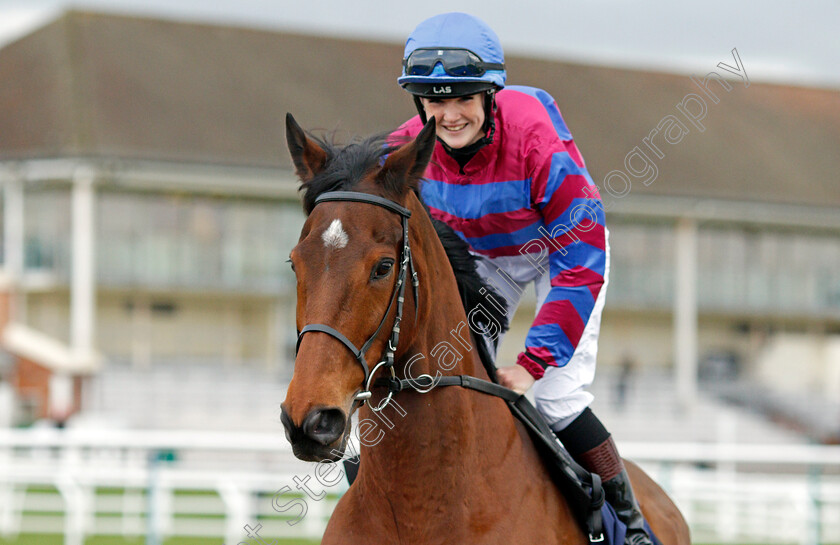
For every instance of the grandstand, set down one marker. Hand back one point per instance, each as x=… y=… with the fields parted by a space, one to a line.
x=190 y=208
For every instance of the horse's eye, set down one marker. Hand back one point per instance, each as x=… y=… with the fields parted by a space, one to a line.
x=383 y=269
x=292 y=265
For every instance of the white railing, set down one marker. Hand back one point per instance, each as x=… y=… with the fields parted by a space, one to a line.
x=750 y=493
x=80 y=483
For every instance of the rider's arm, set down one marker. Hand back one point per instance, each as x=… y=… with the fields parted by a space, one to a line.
x=568 y=201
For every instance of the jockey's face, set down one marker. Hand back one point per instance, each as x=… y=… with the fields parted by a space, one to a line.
x=459 y=120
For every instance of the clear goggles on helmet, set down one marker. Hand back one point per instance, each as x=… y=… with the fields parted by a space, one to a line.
x=456 y=62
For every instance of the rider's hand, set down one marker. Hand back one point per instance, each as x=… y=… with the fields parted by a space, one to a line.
x=515 y=377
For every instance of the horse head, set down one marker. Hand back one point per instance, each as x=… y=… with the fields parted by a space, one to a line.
x=351 y=263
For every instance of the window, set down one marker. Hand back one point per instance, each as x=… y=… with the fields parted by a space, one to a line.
x=195 y=242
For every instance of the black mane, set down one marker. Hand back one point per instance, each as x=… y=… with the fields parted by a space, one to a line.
x=347 y=165
x=470 y=283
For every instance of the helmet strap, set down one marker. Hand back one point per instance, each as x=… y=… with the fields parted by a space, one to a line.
x=489 y=115
x=420 y=110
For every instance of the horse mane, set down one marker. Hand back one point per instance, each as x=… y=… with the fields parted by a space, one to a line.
x=347 y=165
x=474 y=290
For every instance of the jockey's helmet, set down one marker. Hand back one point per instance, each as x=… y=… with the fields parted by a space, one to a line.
x=452 y=55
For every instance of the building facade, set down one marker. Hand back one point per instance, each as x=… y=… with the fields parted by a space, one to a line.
x=149 y=205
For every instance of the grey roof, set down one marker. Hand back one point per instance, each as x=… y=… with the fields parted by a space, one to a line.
x=92 y=84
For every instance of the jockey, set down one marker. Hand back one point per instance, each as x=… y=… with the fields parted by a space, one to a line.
x=507 y=176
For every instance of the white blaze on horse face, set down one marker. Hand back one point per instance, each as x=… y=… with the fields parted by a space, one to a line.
x=334 y=236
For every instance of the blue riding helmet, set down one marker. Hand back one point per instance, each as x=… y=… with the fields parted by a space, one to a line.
x=450 y=55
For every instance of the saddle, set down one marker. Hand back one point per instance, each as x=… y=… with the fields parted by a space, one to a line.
x=581 y=488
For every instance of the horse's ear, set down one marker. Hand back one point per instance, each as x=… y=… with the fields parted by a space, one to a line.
x=405 y=166
x=309 y=158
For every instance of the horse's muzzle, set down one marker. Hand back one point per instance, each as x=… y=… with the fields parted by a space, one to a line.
x=318 y=438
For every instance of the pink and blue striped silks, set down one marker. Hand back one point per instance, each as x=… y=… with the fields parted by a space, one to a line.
x=527 y=205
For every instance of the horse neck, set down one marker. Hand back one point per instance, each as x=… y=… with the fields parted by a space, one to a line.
x=446 y=430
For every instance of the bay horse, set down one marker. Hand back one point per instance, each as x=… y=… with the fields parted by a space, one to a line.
x=454 y=466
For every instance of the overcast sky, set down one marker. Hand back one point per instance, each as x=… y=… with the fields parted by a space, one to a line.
x=777 y=40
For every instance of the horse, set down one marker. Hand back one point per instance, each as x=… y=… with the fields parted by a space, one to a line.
x=444 y=465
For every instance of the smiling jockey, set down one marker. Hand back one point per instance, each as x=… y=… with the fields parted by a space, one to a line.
x=507 y=176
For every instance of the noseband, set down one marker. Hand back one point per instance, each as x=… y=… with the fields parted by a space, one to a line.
x=406 y=263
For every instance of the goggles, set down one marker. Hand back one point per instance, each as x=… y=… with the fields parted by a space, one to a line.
x=456 y=62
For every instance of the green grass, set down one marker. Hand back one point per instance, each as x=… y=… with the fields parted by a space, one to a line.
x=55 y=539
x=110 y=492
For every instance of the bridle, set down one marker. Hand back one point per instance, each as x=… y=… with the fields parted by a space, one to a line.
x=406 y=264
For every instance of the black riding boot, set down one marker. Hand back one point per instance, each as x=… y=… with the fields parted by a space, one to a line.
x=619 y=494
x=592 y=446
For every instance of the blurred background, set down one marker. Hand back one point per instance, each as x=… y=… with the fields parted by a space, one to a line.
x=148 y=208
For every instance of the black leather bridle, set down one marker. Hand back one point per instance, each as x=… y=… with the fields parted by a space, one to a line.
x=406 y=264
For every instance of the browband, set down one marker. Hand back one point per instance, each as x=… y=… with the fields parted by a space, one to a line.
x=355 y=196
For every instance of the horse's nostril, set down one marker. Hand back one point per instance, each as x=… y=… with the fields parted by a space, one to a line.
x=324 y=426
